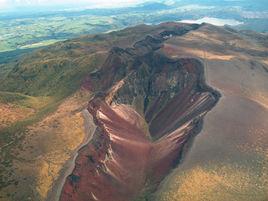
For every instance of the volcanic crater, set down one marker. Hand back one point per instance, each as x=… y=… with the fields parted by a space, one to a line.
x=147 y=108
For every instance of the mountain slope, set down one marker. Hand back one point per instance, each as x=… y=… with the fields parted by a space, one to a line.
x=136 y=100
x=228 y=159
x=146 y=108
x=34 y=90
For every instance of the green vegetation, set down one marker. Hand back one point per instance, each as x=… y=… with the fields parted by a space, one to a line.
x=22 y=100
x=40 y=82
x=43 y=79
x=48 y=73
x=10 y=134
x=42 y=31
x=23 y=32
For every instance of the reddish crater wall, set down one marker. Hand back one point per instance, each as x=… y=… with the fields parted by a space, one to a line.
x=131 y=152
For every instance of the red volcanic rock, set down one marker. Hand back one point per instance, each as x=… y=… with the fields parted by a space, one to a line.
x=146 y=108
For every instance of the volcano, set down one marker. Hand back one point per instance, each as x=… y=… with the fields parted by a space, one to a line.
x=167 y=112
x=147 y=108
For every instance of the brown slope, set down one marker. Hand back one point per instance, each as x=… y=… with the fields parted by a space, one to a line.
x=228 y=159
x=146 y=107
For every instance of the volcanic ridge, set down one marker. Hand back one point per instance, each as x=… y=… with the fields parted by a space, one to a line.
x=147 y=108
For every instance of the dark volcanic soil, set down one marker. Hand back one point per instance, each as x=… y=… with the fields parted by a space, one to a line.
x=146 y=108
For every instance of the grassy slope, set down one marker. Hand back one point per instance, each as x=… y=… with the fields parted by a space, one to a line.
x=23 y=100
x=42 y=80
x=57 y=71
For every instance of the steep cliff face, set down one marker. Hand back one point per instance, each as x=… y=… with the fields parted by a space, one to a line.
x=147 y=106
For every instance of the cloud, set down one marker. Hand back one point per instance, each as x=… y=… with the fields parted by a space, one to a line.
x=94 y=3
x=4 y=4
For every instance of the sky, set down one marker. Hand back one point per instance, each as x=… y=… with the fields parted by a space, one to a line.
x=13 y=4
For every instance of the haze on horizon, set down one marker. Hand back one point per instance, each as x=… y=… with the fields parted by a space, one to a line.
x=31 y=4
x=52 y=5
